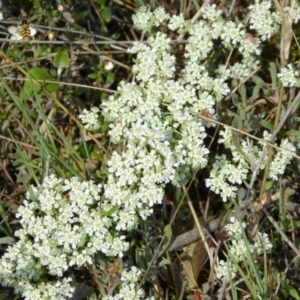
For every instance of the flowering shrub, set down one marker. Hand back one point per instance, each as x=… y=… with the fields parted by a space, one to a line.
x=62 y=226
x=158 y=113
x=157 y=117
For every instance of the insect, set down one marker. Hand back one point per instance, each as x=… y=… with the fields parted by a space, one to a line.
x=23 y=32
x=24 y=29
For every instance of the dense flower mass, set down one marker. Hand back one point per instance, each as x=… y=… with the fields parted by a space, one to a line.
x=157 y=114
x=157 y=120
x=63 y=225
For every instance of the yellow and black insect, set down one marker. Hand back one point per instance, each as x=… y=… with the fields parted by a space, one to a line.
x=24 y=29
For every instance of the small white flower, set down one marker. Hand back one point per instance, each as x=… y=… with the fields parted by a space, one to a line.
x=265 y=22
x=211 y=13
x=143 y=19
x=108 y=65
x=226 y=271
x=90 y=118
x=263 y=241
x=160 y=15
x=232 y=34
x=289 y=76
x=281 y=160
x=234 y=228
x=177 y=22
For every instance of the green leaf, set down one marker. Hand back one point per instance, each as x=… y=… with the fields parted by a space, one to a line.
x=243 y=91
x=257 y=80
x=39 y=74
x=110 y=78
x=256 y=90
x=273 y=72
x=164 y=262
x=106 y=14
x=168 y=237
x=93 y=75
x=61 y=59
x=27 y=90
x=267 y=125
x=80 y=15
x=269 y=185
x=293 y=133
x=293 y=292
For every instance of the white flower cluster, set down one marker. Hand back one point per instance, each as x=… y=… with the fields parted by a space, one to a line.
x=63 y=225
x=90 y=118
x=289 y=76
x=128 y=289
x=238 y=249
x=156 y=114
x=158 y=117
x=281 y=160
x=262 y=20
x=226 y=270
x=177 y=23
x=145 y=19
x=234 y=228
x=225 y=174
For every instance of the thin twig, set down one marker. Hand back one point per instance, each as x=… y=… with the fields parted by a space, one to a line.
x=199 y=227
x=267 y=143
